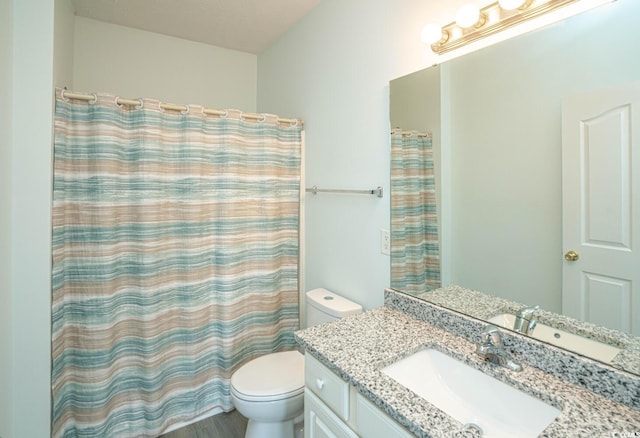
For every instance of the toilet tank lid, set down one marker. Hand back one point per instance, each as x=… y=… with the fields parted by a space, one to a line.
x=332 y=304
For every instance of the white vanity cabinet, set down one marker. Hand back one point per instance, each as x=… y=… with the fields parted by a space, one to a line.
x=322 y=422
x=326 y=402
x=371 y=422
x=334 y=409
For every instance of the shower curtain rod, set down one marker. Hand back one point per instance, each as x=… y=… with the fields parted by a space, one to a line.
x=170 y=106
x=410 y=133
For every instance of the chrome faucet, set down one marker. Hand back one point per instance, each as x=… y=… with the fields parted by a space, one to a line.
x=492 y=350
x=525 y=321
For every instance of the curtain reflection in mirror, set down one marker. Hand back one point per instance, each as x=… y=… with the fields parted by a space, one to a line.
x=415 y=254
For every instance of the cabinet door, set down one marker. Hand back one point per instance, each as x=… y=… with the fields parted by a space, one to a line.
x=321 y=422
x=373 y=423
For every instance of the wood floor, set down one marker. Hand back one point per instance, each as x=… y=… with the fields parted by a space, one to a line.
x=225 y=425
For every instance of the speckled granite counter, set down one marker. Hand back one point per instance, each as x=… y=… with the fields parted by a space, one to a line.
x=357 y=347
x=484 y=306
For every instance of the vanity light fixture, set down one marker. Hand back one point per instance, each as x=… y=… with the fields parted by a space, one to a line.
x=469 y=15
x=509 y=5
x=433 y=33
x=473 y=23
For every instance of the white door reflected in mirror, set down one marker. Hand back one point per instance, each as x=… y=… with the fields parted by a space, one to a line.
x=601 y=207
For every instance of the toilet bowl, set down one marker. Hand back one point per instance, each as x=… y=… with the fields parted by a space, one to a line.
x=269 y=390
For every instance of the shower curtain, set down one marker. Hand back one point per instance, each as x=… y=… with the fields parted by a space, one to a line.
x=175 y=260
x=415 y=255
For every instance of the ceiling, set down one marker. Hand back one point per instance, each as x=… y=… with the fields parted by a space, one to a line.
x=245 y=25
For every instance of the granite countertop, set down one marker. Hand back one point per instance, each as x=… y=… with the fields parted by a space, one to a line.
x=357 y=347
x=484 y=306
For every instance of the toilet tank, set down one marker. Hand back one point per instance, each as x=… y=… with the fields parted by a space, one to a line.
x=324 y=306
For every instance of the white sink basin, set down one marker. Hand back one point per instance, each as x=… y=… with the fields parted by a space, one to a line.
x=587 y=347
x=472 y=397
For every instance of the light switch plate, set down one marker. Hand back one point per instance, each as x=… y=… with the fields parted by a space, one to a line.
x=385 y=242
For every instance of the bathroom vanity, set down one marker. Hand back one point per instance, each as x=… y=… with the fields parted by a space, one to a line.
x=333 y=407
x=347 y=393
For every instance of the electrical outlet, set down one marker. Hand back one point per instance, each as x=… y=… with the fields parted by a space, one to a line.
x=385 y=242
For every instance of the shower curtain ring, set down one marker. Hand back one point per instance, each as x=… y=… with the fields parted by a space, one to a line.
x=90 y=101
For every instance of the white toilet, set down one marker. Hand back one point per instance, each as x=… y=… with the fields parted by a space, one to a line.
x=269 y=390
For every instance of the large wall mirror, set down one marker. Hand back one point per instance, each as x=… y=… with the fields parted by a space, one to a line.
x=495 y=120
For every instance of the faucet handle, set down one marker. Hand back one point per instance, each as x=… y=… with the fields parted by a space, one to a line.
x=492 y=350
x=491 y=335
x=527 y=312
x=527 y=322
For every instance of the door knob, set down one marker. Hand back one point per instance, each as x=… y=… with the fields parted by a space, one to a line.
x=571 y=256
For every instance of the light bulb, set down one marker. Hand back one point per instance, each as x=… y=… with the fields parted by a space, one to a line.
x=431 y=33
x=508 y=5
x=468 y=15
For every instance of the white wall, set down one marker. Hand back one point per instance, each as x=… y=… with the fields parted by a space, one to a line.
x=26 y=83
x=415 y=101
x=507 y=145
x=31 y=216
x=333 y=70
x=6 y=63
x=134 y=63
x=64 y=16
x=26 y=172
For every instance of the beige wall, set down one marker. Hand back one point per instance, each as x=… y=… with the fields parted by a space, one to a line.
x=134 y=63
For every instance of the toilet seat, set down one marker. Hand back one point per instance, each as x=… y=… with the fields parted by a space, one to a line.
x=274 y=376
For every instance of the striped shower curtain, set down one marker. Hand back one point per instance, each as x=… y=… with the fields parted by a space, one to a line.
x=415 y=254
x=175 y=260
